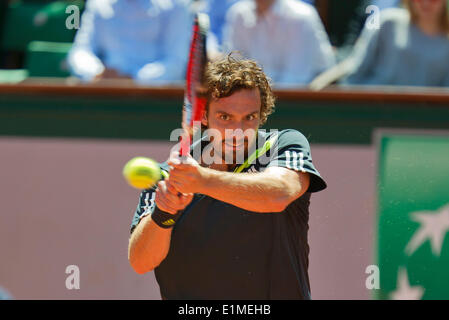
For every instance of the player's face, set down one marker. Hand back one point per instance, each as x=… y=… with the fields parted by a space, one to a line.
x=237 y=119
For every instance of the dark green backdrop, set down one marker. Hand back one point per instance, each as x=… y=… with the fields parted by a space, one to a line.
x=147 y=117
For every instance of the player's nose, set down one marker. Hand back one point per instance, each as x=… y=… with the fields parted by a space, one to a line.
x=239 y=125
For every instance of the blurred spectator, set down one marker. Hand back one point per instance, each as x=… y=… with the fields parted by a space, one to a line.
x=411 y=47
x=139 y=39
x=216 y=9
x=285 y=36
x=344 y=23
x=384 y=4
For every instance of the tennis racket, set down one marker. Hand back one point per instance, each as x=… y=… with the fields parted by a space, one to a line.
x=194 y=94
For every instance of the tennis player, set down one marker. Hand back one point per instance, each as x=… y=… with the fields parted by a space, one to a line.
x=211 y=233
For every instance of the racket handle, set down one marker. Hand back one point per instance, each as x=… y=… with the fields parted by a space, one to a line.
x=185 y=145
x=185 y=148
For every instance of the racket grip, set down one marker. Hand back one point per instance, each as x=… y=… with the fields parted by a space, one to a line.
x=185 y=145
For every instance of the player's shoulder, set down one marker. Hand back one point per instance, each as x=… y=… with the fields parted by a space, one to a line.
x=285 y=139
x=292 y=136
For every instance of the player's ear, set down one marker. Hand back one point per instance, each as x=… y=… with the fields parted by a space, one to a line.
x=204 y=119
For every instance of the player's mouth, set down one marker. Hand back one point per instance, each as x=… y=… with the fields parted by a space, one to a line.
x=233 y=145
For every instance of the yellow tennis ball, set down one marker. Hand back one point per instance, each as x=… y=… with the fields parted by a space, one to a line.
x=141 y=172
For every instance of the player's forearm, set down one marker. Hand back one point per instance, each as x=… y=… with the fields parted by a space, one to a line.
x=148 y=246
x=259 y=192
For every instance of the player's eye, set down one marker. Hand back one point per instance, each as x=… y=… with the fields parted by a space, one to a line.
x=251 y=117
x=224 y=117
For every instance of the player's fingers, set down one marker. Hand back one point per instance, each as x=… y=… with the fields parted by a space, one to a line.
x=176 y=178
x=175 y=203
x=173 y=175
x=164 y=204
x=177 y=166
x=172 y=195
x=174 y=158
x=170 y=188
x=168 y=191
x=175 y=154
x=188 y=159
x=178 y=186
x=173 y=162
x=174 y=199
x=186 y=198
x=161 y=185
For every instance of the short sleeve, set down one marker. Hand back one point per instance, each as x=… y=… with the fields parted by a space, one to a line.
x=147 y=203
x=145 y=207
x=292 y=151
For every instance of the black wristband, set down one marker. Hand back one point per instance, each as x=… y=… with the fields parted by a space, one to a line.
x=164 y=219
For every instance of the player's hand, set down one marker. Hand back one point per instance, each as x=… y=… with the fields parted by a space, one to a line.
x=168 y=199
x=186 y=175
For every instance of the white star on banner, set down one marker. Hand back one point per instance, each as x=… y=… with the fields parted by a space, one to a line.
x=403 y=289
x=434 y=226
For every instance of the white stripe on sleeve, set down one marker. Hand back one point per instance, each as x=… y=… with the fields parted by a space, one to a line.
x=287 y=160
x=295 y=161
x=301 y=162
x=149 y=204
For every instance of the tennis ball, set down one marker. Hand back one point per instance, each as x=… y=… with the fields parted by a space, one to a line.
x=141 y=172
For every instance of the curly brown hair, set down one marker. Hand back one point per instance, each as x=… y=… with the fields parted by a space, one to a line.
x=230 y=74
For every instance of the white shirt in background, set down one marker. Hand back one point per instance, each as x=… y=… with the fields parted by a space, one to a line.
x=289 y=41
x=147 y=40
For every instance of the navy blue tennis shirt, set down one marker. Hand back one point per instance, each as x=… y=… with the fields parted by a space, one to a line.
x=220 y=251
